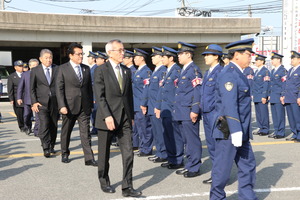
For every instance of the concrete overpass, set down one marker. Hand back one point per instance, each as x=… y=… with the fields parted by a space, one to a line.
x=36 y=30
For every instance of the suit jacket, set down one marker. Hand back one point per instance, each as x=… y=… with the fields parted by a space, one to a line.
x=111 y=101
x=233 y=100
x=12 y=87
x=277 y=84
x=71 y=93
x=40 y=90
x=292 y=86
x=24 y=88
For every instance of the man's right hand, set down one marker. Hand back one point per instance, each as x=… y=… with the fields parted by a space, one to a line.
x=109 y=121
x=63 y=110
x=282 y=100
x=35 y=107
x=19 y=101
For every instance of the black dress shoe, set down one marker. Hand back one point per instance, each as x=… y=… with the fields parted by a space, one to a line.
x=152 y=158
x=130 y=192
x=175 y=166
x=271 y=136
x=65 y=158
x=181 y=171
x=256 y=133
x=290 y=139
x=279 y=136
x=166 y=164
x=263 y=134
x=47 y=153
x=91 y=163
x=297 y=140
x=191 y=174
x=208 y=181
x=159 y=160
x=141 y=154
x=52 y=151
x=108 y=189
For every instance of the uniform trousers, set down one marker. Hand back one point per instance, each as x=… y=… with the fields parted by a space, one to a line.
x=144 y=129
x=93 y=116
x=68 y=122
x=173 y=141
x=225 y=154
x=262 y=117
x=123 y=133
x=193 y=146
x=293 y=113
x=208 y=126
x=278 y=116
x=158 y=138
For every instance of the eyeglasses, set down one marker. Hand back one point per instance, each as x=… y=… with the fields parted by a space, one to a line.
x=249 y=54
x=79 y=54
x=119 y=50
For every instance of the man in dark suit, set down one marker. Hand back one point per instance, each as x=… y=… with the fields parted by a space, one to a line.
x=12 y=87
x=23 y=95
x=75 y=102
x=113 y=92
x=43 y=100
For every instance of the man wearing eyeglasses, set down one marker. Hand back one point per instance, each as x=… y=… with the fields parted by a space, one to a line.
x=75 y=102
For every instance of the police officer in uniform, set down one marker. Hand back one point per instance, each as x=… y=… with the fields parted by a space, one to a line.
x=141 y=119
x=249 y=73
x=278 y=78
x=187 y=109
x=213 y=58
x=101 y=58
x=156 y=123
x=260 y=95
x=291 y=97
x=128 y=61
x=233 y=108
x=172 y=136
x=225 y=59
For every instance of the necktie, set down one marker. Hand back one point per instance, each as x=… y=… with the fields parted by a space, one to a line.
x=48 y=75
x=120 y=79
x=78 y=74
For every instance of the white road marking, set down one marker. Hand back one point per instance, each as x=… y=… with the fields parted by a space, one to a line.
x=205 y=194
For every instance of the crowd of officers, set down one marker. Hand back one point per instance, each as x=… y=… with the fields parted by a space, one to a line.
x=169 y=102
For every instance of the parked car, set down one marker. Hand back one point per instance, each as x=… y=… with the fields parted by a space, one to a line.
x=3 y=82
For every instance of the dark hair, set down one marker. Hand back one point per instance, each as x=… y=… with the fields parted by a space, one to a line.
x=221 y=61
x=174 y=58
x=72 y=46
x=231 y=53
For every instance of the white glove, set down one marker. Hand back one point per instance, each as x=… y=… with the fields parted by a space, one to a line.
x=237 y=139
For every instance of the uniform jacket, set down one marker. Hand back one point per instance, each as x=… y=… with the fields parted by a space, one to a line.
x=92 y=72
x=71 y=93
x=249 y=73
x=292 y=86
x=233 y=101
x=12 y=87
x=187 y=96
x=208 y=89
x=277 y=84
x=133 y=70
x=140 y=92
x=40 y=90
x=166 y=93
x=111 y=100
x=24 y=88
x=260 y=87
x=153 y=87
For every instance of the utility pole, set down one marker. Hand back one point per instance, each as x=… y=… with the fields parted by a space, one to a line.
x=2 y=5
x=182 y=4
x=249 y=11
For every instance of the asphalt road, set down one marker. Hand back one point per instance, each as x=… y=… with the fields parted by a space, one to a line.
x=25 y=174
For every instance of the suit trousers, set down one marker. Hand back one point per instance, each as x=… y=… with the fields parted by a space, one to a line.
x=243 y=156
x=68 y=122
x=19 y=111
x=48 y=118
x=123 y=133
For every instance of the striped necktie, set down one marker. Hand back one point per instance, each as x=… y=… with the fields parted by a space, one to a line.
x=78 y=73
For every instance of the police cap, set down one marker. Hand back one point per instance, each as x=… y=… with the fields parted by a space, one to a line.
x=156 y=51
x=295 y=54
x=213 y=49
x=182 y=47
x=18 y=63
x=101 y=55
x=241 y=45
x=167 y=51
x=92 y=54
x=260 y=57
x=140 y=52
x=276 y=55
x=128 y=54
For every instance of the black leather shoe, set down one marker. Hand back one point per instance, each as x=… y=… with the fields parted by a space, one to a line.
x=91 y=163
x=191 y=174
x=47 y=153
x=208 y=181
x=181 y=171
x=263 y=134
x=152 y=158
x=52 y=151
x=159 y=160
x=290 y=139
x=108 y=189
x=256 y=133
x=271 y=136
x=130 y=192
x=278 y=136
x=297 y=140
x=141 y=154
x=166 y=164
x=65 y=158
x=175 y=166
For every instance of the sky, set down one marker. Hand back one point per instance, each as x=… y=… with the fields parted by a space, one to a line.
x=268 y=10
